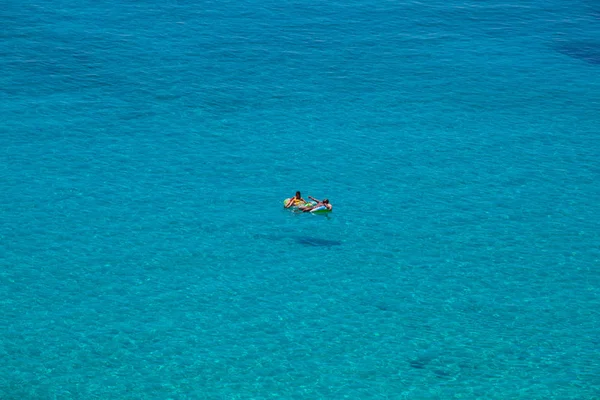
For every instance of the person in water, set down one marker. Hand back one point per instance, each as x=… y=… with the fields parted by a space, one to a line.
x=324 y=203
x=296 y=200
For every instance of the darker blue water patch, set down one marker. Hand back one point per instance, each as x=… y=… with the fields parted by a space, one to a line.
x=441 y=373
x=422 y=360
x=593 y=7
x=306 y=241
x=317 y=242
x=585 y=51
x=417 y=364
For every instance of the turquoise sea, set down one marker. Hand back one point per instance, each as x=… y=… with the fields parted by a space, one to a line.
x=146 y=148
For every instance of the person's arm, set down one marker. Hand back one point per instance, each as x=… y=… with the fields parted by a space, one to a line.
x=312 y=198
x=290 y=202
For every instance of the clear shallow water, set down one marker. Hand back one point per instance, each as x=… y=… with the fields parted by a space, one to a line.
x=146 y=149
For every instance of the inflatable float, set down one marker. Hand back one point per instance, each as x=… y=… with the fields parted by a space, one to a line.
x=320 y=210
x=300 y=203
